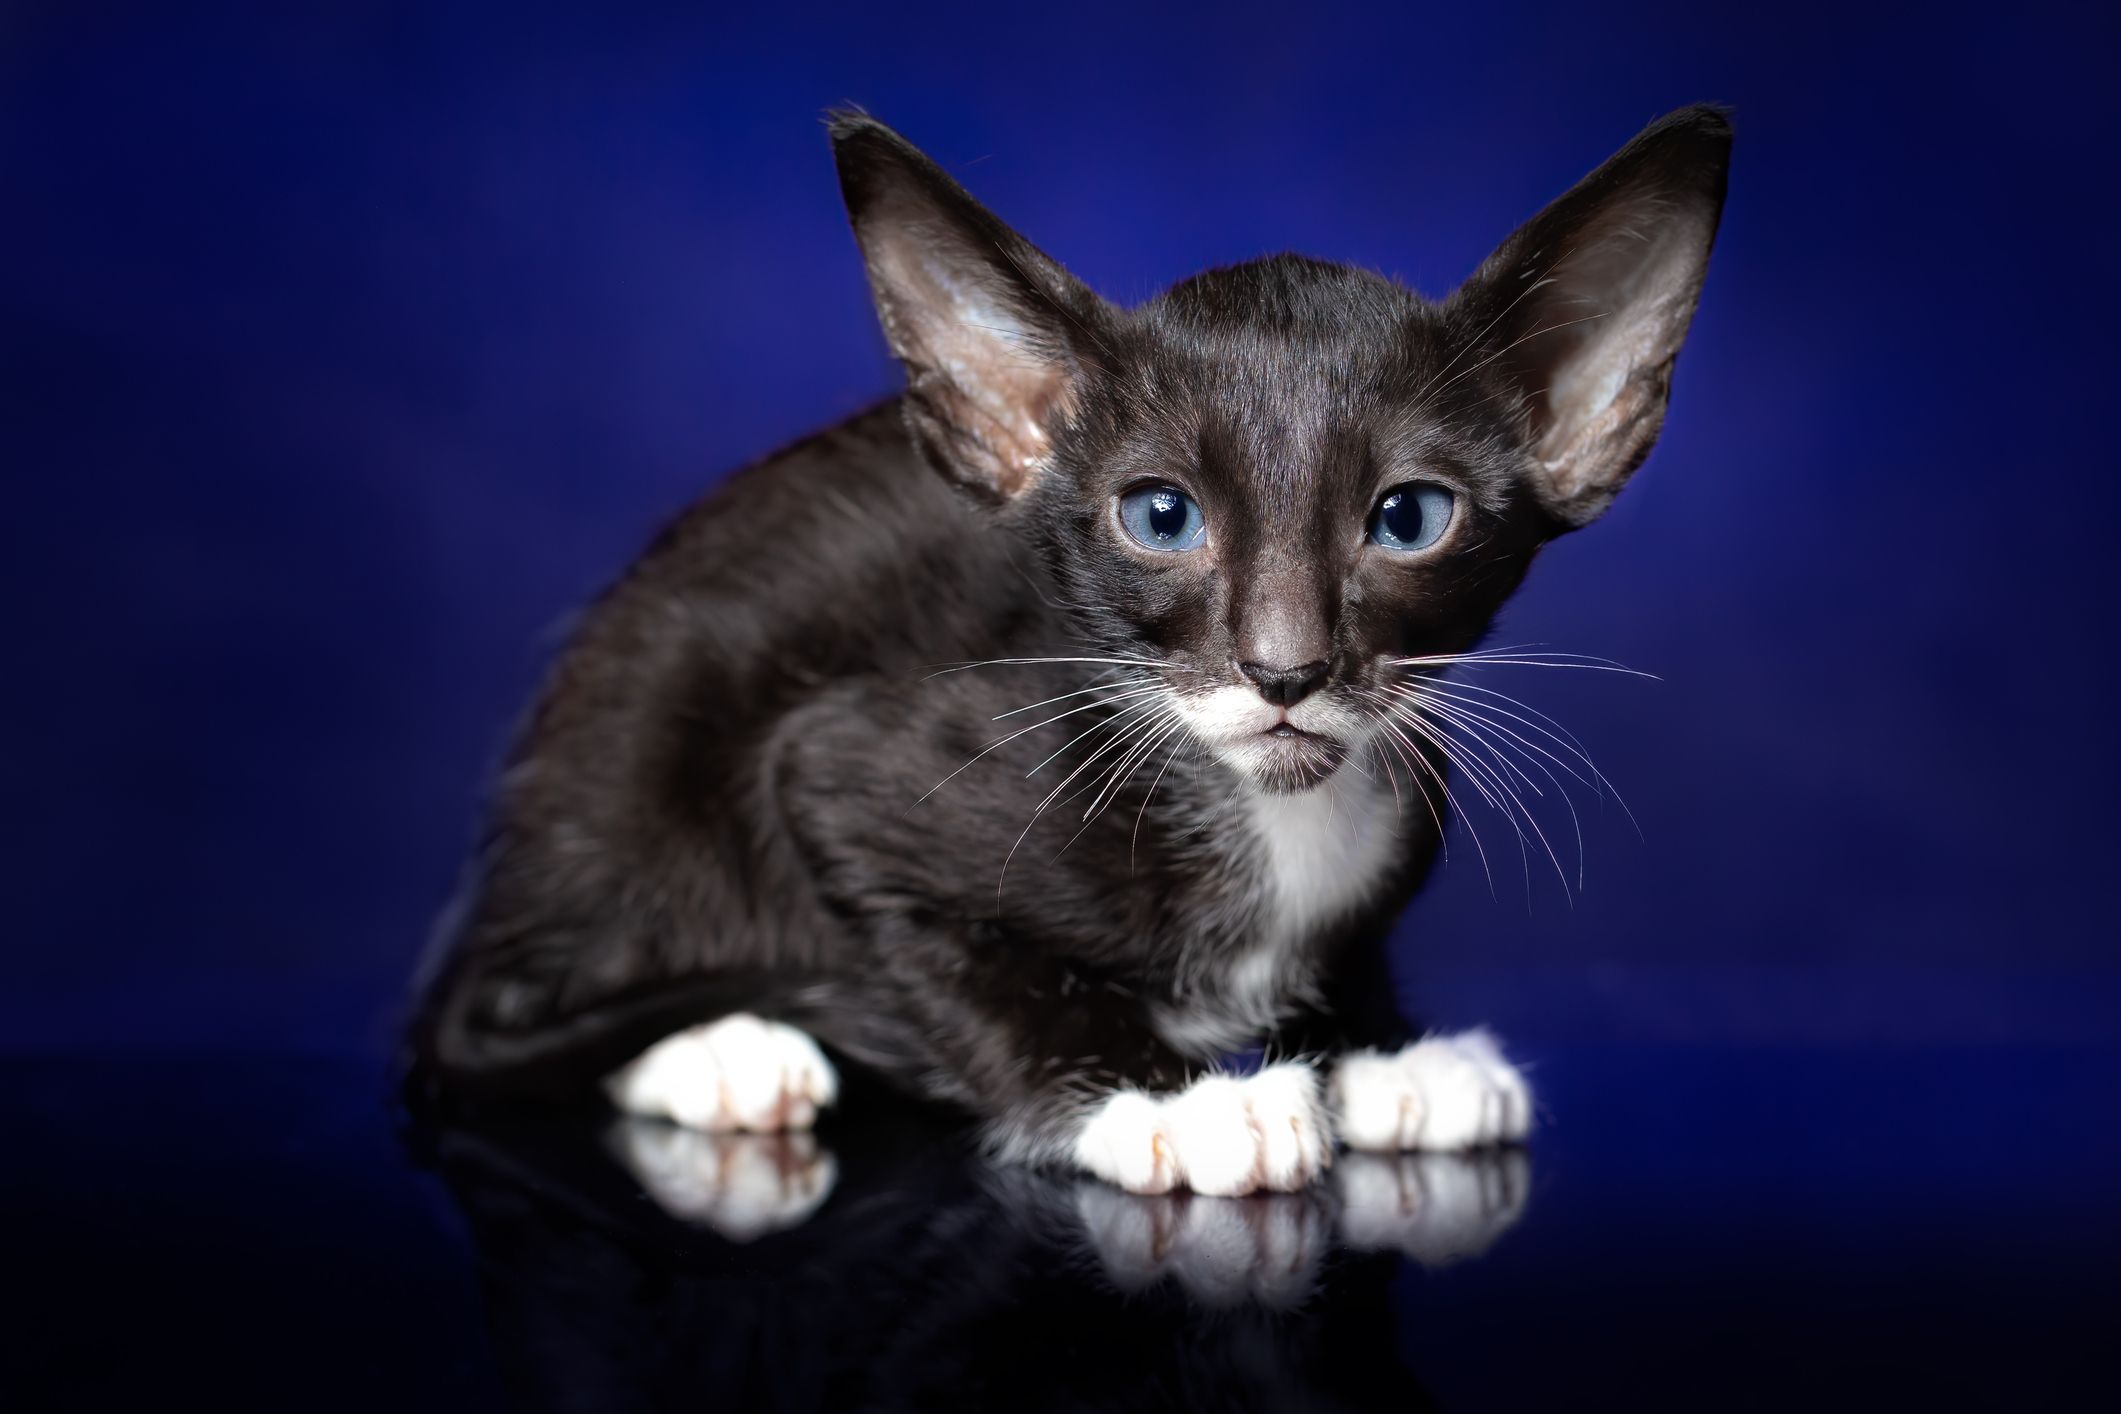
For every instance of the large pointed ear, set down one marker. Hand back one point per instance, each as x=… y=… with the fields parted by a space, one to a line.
x=994 y=335
x=1582 y=311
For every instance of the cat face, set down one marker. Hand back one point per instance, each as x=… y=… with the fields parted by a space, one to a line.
x=1274 y=483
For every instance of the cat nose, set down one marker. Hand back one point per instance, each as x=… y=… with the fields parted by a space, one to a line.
x=1285 y=687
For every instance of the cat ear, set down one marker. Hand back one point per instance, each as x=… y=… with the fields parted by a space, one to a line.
x=1584 y=308
x=994 y=334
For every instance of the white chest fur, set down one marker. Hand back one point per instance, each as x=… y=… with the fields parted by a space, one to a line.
x=1322 y=853
x=1317 y=857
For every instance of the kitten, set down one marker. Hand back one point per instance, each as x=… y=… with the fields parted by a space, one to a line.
x=1037 y=738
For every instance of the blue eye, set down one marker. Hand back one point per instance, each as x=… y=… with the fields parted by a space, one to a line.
x=1412 y=517
x=1163 y=518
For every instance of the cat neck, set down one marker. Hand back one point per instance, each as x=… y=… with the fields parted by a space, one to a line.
x=1321 y=854
x=1300 y=865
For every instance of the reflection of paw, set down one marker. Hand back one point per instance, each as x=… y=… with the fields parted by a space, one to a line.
x=1223 y=1251
x=1222 y=1134
x=741 y=1185
x=1436 y=1208
x=736 y=1073
x=1445 y=1092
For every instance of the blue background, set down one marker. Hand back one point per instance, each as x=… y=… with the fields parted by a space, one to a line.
x=348 y=348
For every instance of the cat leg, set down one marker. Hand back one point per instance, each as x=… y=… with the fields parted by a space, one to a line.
x=1069 y=1070
x=1440 y=1093
x=737 y=1073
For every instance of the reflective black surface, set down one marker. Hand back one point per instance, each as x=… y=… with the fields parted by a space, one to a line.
x=1691 y=1229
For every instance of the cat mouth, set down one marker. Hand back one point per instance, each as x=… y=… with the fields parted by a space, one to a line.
x=1266 y=742
x=1291 y=758
x=1295 y=737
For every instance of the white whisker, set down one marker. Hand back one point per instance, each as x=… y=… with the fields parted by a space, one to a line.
x=1147 y=699
x=1552 y=730
x=1135 y=839
x=1481 y=726
x=1120 y=774
x=1471 y=727
x=1008 y=662
x=1054 y=794
x=1483 y=777
x=1128 y=764
x=1026 y=731
x=1465 y=725
x=1417 y=764
x=1504 y=659
x=1079 y=692
x=1437 y=691
x=1399 y=810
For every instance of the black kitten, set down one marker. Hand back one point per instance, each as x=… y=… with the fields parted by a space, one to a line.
x=1040 y=736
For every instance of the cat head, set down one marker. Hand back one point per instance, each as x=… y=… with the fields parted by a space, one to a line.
x=1273 y=483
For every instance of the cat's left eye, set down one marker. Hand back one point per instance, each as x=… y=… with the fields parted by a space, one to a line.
x=1412 y=517
x=1162 y=518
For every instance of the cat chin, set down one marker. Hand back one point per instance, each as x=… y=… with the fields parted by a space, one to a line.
x=1290 y=766
x=1287 y=782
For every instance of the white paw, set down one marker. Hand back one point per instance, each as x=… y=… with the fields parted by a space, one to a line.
x=1223 y=1251
x=1222 y=1134
x=736 y=1073
x=1445 y=1092
x=741 y=1185
x=1435 y=1208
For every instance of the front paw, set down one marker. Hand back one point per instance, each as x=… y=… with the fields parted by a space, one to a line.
x=738 y=1073
x=1222 y=1135
x=1441 y=1093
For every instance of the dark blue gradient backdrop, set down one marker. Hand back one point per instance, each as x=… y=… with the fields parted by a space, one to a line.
x=348 y=348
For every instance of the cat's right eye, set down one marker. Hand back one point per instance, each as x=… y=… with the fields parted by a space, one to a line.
x=1163 y=518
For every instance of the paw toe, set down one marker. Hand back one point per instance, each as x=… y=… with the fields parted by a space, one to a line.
x=1295 y=1135
x=1374 y=1108
x=1222 y=1135
x=1124 y=1143
x=1442 y=1093
x=1217 y=1137
x=738 y=1073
